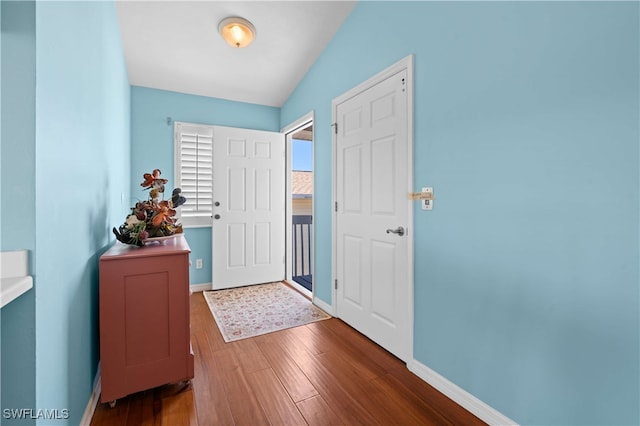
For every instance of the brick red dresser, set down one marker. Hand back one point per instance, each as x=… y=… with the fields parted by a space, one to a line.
x=144 y=317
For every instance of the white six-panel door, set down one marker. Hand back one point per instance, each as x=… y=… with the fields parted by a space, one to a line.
x=249 y=207
x=372 y=183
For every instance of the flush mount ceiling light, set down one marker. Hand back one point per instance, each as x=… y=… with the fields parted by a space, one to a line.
x=238 y=32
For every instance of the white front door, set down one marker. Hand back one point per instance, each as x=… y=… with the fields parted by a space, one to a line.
x=249 y=207
x=374 y=288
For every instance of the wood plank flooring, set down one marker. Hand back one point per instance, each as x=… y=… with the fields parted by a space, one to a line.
x=324 y=373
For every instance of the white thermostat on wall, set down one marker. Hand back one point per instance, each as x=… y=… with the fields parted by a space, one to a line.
x=427 y=204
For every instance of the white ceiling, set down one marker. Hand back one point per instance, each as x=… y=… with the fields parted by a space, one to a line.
x=175 y=45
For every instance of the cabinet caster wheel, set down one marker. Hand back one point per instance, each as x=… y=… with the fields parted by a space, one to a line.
x=112 y=404
x=184 y=385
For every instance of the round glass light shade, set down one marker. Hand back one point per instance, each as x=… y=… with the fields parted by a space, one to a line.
x=238 y=32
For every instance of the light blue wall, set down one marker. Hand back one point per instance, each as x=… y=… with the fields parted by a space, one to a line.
x=526 y=125
x=18 y=131
x=17 y=213
x=0 y=195
x=152 y=145
x=82 y=172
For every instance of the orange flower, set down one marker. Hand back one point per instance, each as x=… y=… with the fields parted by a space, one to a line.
x=153 y=178
x=163 y=213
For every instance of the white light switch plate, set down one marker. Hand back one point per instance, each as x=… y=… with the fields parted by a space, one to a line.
x=427 y=204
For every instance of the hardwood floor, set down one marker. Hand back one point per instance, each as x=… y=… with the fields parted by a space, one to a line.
x=324 y=373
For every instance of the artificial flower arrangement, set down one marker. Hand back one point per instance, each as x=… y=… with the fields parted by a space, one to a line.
x=154 y=217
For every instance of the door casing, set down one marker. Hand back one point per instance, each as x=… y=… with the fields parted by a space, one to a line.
x=288 y=130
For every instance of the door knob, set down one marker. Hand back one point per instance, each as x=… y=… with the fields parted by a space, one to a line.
x=217 y=204
x=398 y=231
x=216 y=216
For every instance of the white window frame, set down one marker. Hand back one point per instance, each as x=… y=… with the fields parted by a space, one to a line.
x=203 y=190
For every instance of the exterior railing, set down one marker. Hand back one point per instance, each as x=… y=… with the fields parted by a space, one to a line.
x=302 y=244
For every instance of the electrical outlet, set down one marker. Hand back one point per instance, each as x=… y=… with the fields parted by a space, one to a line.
x=198 y=263
x=427 y=204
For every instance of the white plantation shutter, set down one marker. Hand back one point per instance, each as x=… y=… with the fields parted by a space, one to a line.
x=194 y=172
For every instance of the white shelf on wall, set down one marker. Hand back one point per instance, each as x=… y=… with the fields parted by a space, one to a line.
x=14 y=275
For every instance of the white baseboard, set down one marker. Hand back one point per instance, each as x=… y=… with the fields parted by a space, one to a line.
x=93 y=400
x=200 y=287
x=463 y=398
x=324 y=306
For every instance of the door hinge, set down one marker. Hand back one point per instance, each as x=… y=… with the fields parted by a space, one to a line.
x=336 y=206
x=335 y=128
x=335 y=284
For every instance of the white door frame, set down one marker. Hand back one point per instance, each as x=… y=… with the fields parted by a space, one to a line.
x=404 y=64
x=288 y=130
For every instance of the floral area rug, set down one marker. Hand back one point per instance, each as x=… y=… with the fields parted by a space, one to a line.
x=260 y=309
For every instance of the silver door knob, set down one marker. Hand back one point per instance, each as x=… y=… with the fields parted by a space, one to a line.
x=398 y=231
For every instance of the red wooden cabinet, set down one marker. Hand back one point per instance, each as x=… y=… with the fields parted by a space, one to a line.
x=144 y=317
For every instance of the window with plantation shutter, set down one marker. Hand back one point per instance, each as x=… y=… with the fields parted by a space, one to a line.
x=194 y=172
